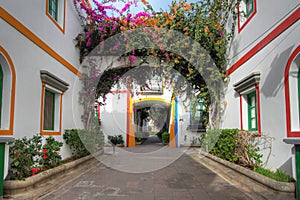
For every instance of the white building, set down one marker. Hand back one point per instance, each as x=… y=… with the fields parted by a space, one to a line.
x=263 y=89
x=39 y=65
x=124 y=107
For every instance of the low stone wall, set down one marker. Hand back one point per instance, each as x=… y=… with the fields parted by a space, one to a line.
x=14 y=187
x=275 y=185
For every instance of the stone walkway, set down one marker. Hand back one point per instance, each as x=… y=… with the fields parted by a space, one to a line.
x=185 y=178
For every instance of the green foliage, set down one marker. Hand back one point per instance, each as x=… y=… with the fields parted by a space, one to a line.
x=232 y=145
x=165 y=137
x=246 y=150
x=118 y=138
x=29 y=156
x=205 y=22
x=93 y=140
x=83 y=142
x=24 y=154
x=277 y=175
x=225 y=144
x=77 y=147
x=159 y=135
x=51 y=157
x=195 y=140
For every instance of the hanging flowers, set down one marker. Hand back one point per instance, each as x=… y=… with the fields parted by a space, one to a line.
x=202 y=21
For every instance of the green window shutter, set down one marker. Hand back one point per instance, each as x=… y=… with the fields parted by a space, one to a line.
x=252 y=111
x=53 y=8
x=1 y=91
x=249 y=7
x=49 y=110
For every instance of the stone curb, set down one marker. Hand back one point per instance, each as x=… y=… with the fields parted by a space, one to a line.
x=18 y=186
x=275 y=185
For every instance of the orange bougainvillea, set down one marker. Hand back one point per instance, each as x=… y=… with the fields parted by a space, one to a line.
x=187 y=6
x=206 y=29
x=203 y=22
x=145 y=2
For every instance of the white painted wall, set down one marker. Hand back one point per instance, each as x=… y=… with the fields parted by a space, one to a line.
x=266 y=19
x=29 y=59
x=114 y=115
x=270 y=62
x=32 y=14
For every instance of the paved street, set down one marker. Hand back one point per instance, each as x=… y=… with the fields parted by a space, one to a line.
x=183 y=179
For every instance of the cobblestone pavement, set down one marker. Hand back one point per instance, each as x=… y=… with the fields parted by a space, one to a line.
x=183 y=179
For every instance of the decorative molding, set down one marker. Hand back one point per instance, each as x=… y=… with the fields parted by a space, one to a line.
x=16 y=24
x=53 y=81
x=247 y=82
x=6 y=139
x=244 y=86
x=283 y=26
x=292 y=140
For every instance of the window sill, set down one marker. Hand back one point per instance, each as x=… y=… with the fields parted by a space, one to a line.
x=45 y=132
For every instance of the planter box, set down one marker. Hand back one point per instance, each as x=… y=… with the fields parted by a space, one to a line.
x=273 y=184
x=16 y=187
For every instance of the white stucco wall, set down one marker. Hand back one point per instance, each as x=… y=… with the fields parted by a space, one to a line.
x=114 y=115
x=265 y=19
x=29 y=59
x=32 y=14
x=270 y=62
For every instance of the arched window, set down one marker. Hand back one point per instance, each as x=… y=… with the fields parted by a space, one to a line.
x=7 y=93
x=292 y=94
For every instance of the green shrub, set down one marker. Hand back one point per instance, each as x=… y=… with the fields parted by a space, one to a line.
x=73 y=140
x=93 y=140
x=29 y=156
x=225 y=145
x=24 y=153
x=246 y=150
x=118 y=138
x=232 y=145
x=277 y=175
x=220 y=143
x=159 y=135
x=51 y=157
x=165 y=137
x=83 y=142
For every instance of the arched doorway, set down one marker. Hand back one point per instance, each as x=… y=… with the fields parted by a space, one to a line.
x=151 y=117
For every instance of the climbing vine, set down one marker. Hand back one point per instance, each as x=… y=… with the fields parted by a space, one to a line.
x=205 y=22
